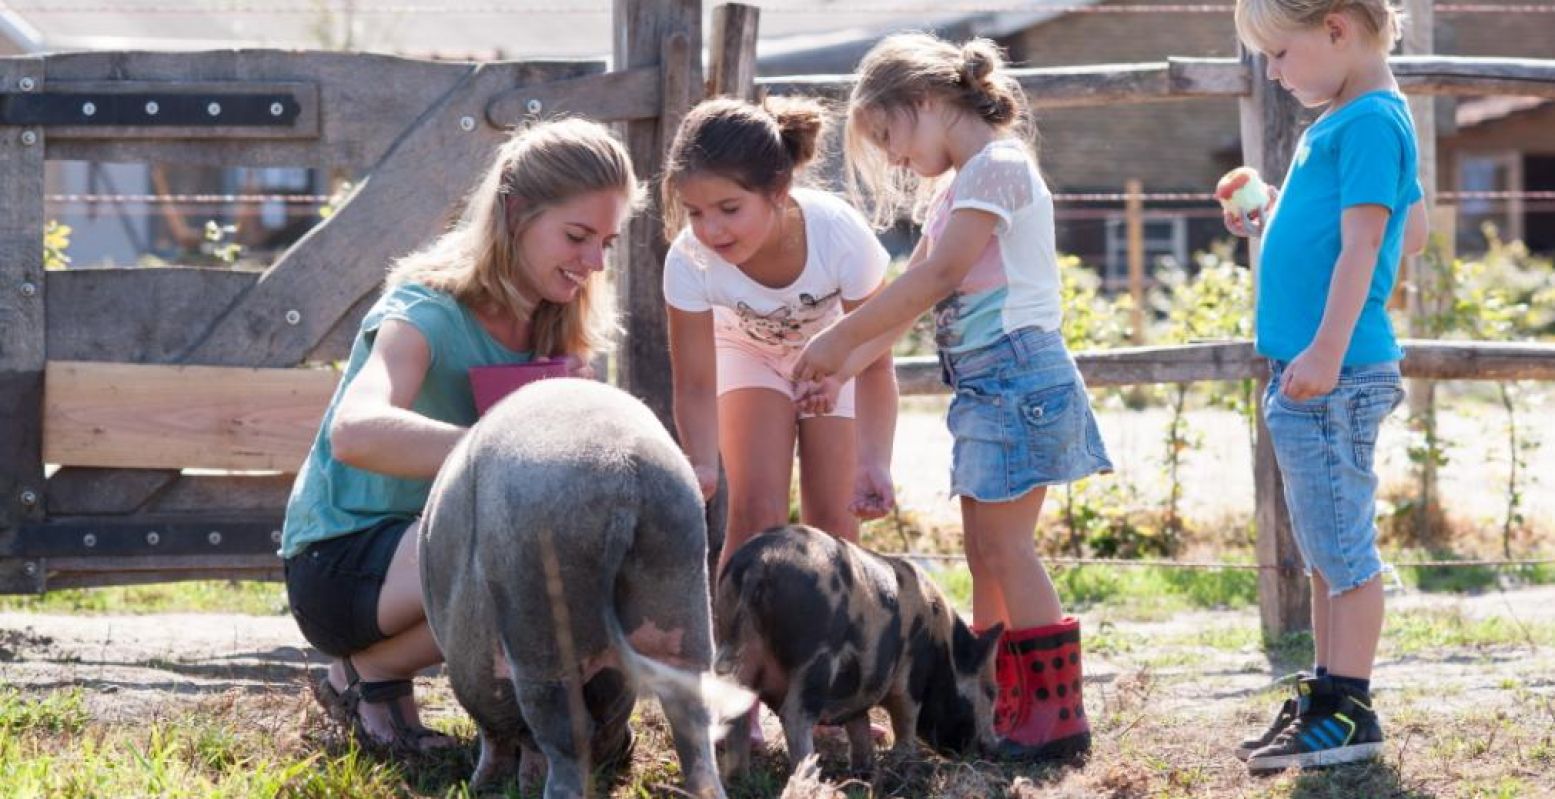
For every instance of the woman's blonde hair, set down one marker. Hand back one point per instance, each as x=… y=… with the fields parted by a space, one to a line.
x=759 y=147
x=1260 y=22
x=478 y=261
x=895 y=77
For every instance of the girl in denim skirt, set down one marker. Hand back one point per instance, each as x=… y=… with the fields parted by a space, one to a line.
x=943 y=129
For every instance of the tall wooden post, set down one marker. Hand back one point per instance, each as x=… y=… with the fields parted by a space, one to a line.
x=1270 y=121
x=667 y=33
x=731 y=51
x=21 y=319
x=1134 y=215
x=1420 y=271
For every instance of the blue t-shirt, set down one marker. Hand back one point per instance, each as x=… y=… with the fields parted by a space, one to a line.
x=1361 y=154
x=330 y=499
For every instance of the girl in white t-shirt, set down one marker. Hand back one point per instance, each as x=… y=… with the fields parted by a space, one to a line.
x=759 y=268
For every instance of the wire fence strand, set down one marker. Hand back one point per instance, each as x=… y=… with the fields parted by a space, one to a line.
x=1230 y=566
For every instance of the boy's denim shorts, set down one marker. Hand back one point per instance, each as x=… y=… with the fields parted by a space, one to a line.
x=1020 y=418
x=1325 y=447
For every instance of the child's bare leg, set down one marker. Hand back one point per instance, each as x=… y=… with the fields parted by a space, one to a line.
x=1005 y=543
x=1320 y=619
x=988 y=606
x=1354 y=626
x=756 y=440
x=828 y=462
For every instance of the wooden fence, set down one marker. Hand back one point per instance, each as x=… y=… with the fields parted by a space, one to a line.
x=132 y=381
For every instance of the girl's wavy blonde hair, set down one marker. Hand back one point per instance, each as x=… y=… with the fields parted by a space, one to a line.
x=1260 y=22
x=477 y=261
x=898 y=75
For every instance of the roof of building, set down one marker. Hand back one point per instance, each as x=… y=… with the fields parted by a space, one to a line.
x=463 y=29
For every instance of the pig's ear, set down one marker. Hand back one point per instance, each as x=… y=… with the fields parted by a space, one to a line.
x=972 y=650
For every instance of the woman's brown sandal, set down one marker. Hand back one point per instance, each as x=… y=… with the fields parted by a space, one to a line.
x=344 y=707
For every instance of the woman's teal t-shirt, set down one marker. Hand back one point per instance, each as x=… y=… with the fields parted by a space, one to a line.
x=329 y=498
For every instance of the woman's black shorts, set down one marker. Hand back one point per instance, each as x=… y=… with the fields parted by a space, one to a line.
x=333 y=587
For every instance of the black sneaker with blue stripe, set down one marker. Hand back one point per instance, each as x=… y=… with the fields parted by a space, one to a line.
x=1289 y=711
x=1337 y=725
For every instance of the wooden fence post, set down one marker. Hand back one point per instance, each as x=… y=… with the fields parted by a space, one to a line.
x=731 y=51
x=1420 y=271
x=1134 y=213
x=667 y=33
x=1270 y=121
x=21 y=315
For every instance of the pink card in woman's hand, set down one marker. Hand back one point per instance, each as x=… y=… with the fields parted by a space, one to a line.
x=492 y=383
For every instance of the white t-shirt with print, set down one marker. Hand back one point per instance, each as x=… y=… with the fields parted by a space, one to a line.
x=844 y=261
x=1014 y=283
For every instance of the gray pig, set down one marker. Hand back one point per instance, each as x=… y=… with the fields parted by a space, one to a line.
x=564 y=536
x=823 y=630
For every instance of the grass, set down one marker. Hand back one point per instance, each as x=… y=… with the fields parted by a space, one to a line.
x=1137 y=593
x=198 y=596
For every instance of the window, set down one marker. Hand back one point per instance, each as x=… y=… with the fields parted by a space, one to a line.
x=1166 y=236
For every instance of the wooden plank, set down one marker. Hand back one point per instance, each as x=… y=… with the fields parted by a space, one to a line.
x=731 y=51
x=642 y=28
x=154 y=416
x=1134 y=209
x=337 y=343
x=366 y=101
x=144 y=315
x=98 y=571
x=84 y=491
x=1271 y=123
x=1470 y=76
x=102 y=92
x=22 y=293
x=1423 y=272
x=1207 y=77
x=609 y=97
x=313 y=284
x=1236 y=360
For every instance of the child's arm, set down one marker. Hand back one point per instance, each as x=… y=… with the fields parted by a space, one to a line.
x=876 y=390
x=694 y=373
x=1416 y=230
x=1315 y=371
x=904 y=300
x=374 y=428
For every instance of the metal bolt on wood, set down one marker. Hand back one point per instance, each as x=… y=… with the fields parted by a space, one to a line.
x=89 y=540
x=275 y=536
x=534 y=106
x=276 y=109
x=293 y=317
x=29 y=138
x=214 y=109
x=215 y=538
x=28 y=289
x=152 y=108
x=29 y=568
x=29 y=497
x=88 y=109
x=467 y=123
x=27 y=84
x=152 y=538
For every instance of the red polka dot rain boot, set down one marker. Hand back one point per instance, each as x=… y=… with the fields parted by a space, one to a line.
x=1045 y=713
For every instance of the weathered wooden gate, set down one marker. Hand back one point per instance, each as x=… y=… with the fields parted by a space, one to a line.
x=153 y=373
